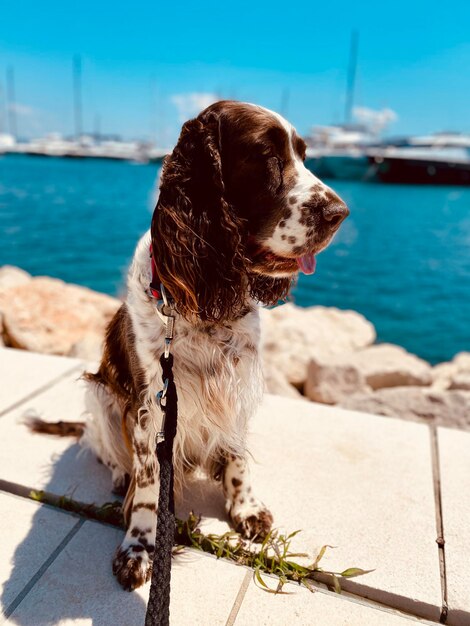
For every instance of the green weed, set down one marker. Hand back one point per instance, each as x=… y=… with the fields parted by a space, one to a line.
x=271 y=557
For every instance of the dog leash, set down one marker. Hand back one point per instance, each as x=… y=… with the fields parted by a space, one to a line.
x=158 y=606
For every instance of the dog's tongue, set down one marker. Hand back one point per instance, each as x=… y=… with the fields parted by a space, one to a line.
x=307 y=263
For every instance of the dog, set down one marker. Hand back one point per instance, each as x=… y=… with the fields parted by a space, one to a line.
x=238 y=216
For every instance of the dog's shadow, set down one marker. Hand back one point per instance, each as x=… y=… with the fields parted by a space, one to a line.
x=78 y=583
x=203 y=497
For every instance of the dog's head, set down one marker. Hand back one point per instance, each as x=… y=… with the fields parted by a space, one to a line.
x=238 y=212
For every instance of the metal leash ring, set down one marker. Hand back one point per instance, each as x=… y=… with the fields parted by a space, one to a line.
x=161 y=395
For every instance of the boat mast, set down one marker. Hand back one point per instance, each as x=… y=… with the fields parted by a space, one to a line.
x=351 y=81
x=3 y=128
x=77 y=95
x=97 y=132
x=11 y=105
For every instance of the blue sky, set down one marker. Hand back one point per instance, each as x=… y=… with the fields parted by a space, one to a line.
x=144 y=63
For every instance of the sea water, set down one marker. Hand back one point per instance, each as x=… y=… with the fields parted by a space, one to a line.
x=402 y=258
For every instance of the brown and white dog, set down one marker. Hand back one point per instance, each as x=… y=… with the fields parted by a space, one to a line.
x=238 y=215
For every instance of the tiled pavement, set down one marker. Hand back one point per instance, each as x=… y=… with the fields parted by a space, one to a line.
x=380 y=490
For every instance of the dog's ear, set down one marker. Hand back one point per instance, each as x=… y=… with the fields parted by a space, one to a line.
x=196 y=235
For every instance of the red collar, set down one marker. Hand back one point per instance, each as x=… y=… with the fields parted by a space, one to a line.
x=155 y=282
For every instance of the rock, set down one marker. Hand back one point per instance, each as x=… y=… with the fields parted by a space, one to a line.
x=446 y=408
x=47 y=315
x=462 y=361
x=292 y=335
x=88 y=348
x=332 y=378
x=387 y=365
x=331 y=381
x=11 y=276
x=441 y=376
x=454 y=374
x=461 y=380
x=276 y=383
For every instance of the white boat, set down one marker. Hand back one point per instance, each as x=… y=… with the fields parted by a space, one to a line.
x=440 y=159
x=339 y=151
x=7 y=142
x=86 y=147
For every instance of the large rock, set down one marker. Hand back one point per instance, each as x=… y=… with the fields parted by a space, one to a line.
x=461 y=380
x=454 y=374
x=11 y=276
x=292 y=335
x=330 y=381
x=89 y=347
x=331 y=378
x=387 y=365
x=446 y=408
x=276 y=383
x=47 y=315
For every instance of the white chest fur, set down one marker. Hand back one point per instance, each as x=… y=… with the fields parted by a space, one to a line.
x=216 y=367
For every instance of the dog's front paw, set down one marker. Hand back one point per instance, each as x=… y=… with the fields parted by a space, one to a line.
x=132 y=565
x=252 y=519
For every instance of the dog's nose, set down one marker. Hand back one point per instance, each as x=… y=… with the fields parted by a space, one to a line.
x=335 y=212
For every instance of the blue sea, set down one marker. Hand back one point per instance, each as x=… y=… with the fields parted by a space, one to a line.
x=402 y=258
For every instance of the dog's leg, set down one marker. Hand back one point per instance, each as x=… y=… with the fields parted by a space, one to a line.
x=249 y=515
x=132 y=564
x=103 y=432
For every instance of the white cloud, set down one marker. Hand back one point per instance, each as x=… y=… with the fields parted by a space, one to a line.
x=22 y=109
x=31 y=122
x=190 y=104
x=375 y=120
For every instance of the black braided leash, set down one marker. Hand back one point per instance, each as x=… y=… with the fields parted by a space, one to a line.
x=158 y=607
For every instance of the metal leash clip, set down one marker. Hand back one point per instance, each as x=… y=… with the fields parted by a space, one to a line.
x=166 y=312
x=160 y=396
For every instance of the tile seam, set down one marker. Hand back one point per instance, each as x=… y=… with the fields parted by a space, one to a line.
x=440 y=540
x=355 y=595
x=16 y=490
x=39 y=390
x=239 y=599
x=345 y=596
x=42 y=570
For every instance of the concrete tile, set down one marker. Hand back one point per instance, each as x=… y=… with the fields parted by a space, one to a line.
x=54 y=464
x=23 y=373
x=359 y=482
x=356 y=481
x=303 y=608
x=454 y=457
x=80 y=588
x=29 y=534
